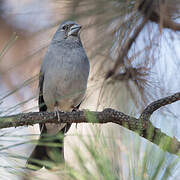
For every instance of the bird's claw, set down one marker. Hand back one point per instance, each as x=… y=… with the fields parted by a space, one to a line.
x=56 y=111
x=75 y=109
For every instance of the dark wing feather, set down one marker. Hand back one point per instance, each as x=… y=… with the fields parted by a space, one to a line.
x=42 y=105
x=42 y=152
x=39 y=153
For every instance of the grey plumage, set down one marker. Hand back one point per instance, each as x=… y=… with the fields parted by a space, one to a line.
x=63 y=82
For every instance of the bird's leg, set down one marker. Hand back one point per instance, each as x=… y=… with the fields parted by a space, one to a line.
x=56 y=111
x=75 y=109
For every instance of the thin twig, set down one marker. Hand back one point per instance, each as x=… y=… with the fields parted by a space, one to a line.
x=146 y=114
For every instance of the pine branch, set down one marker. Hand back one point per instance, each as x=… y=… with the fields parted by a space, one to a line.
x=160 y=12
x=142 y=125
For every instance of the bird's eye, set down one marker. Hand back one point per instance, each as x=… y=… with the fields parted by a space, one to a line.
x=65 y=27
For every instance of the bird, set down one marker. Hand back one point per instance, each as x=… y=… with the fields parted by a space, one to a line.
x=62 y=86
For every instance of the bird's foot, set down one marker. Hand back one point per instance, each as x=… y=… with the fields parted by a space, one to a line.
x=56 y=111
x=75 y=109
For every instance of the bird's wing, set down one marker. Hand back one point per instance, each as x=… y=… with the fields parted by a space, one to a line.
x=42 y=105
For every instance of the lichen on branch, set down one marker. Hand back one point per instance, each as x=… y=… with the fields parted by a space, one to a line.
x=141 y=125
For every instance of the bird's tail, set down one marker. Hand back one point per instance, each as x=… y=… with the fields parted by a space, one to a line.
x=49 y=150
x=48 y=153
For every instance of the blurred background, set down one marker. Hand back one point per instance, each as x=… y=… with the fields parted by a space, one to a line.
x=136 y=44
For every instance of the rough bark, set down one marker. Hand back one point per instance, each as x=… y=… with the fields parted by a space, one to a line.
x=141 y=125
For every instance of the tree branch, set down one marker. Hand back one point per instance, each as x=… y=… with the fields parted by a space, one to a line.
x=160 y=10
x=148 y=111
x=142 y=126
x=125 y=49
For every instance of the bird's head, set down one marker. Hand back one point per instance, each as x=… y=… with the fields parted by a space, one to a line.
x=67 y=30
x=70 y=28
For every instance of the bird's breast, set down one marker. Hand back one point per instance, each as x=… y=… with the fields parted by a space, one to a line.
x=65 y=81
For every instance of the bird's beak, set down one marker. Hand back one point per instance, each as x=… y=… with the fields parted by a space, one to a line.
x=74 y=30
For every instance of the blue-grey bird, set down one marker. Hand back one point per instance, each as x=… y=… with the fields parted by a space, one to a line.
x=62 y=83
